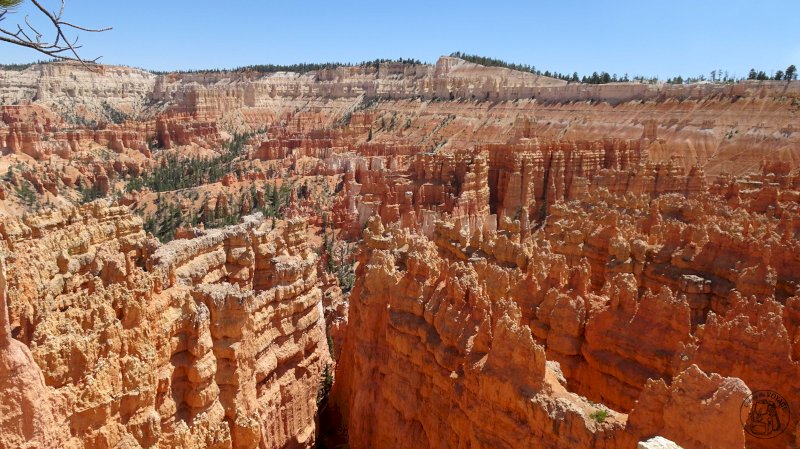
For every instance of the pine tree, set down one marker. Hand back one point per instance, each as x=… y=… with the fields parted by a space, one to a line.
x=253 y=199
x=326 y=382
x=276 y=199
x=791 y=73
x=327 y=248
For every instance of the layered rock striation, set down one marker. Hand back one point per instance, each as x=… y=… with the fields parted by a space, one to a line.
x=538 y=263
x=216 y=341
x=439 y=353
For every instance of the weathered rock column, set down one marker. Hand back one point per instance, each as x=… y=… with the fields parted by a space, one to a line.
x=5 y=325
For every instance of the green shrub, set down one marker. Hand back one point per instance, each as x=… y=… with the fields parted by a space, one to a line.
x=26 y=194
x=176 y=173
x=114 y=114
x=90 y=193
x=599 y=415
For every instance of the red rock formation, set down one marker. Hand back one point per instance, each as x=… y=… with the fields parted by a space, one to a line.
x=692 y=410
x=631 y=244
x=27 y=419
x=457 y=367
x=620 y=273
x=196 y=351
x=430 y=317
x=184 y=130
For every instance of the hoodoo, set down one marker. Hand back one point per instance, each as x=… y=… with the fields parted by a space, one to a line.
x=396 y=255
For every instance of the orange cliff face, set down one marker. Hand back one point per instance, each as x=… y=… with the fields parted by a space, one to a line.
x=460 y=365
x=534 y=263
x=27 y=404
x=137 y=344
x=644 y=277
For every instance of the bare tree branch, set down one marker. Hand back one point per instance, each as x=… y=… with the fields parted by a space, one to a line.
x=59 y=45
x=38 y=34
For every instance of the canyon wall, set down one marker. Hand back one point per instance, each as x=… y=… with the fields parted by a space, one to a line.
x=74 y=90
x=726 y=128
x=639 y=283
x=537 y=264
x=438 y=353
x=212 y=342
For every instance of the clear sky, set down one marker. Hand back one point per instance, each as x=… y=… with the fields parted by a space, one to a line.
x=635 y=37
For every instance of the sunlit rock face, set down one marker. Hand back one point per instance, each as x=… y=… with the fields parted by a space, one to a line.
x=536 y=263
x=118 y=341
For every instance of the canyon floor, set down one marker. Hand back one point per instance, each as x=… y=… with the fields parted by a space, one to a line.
x=396 y=255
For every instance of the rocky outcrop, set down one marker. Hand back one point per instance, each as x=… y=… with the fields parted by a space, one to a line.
x=176 y=131
x=216 y=341
x=563 y=265
x=72 y=89
x=638 y=292
x=724 y=133
x=457 y=367
x=535 y=173
x=438 y=352
x=27 y=419
x=692 y=408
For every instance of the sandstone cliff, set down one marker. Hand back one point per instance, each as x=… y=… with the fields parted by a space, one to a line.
x=438 y=354
x=725 y=128
x=216 y=341
x=539 y=263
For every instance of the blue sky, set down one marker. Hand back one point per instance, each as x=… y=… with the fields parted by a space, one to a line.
x=635 y=37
